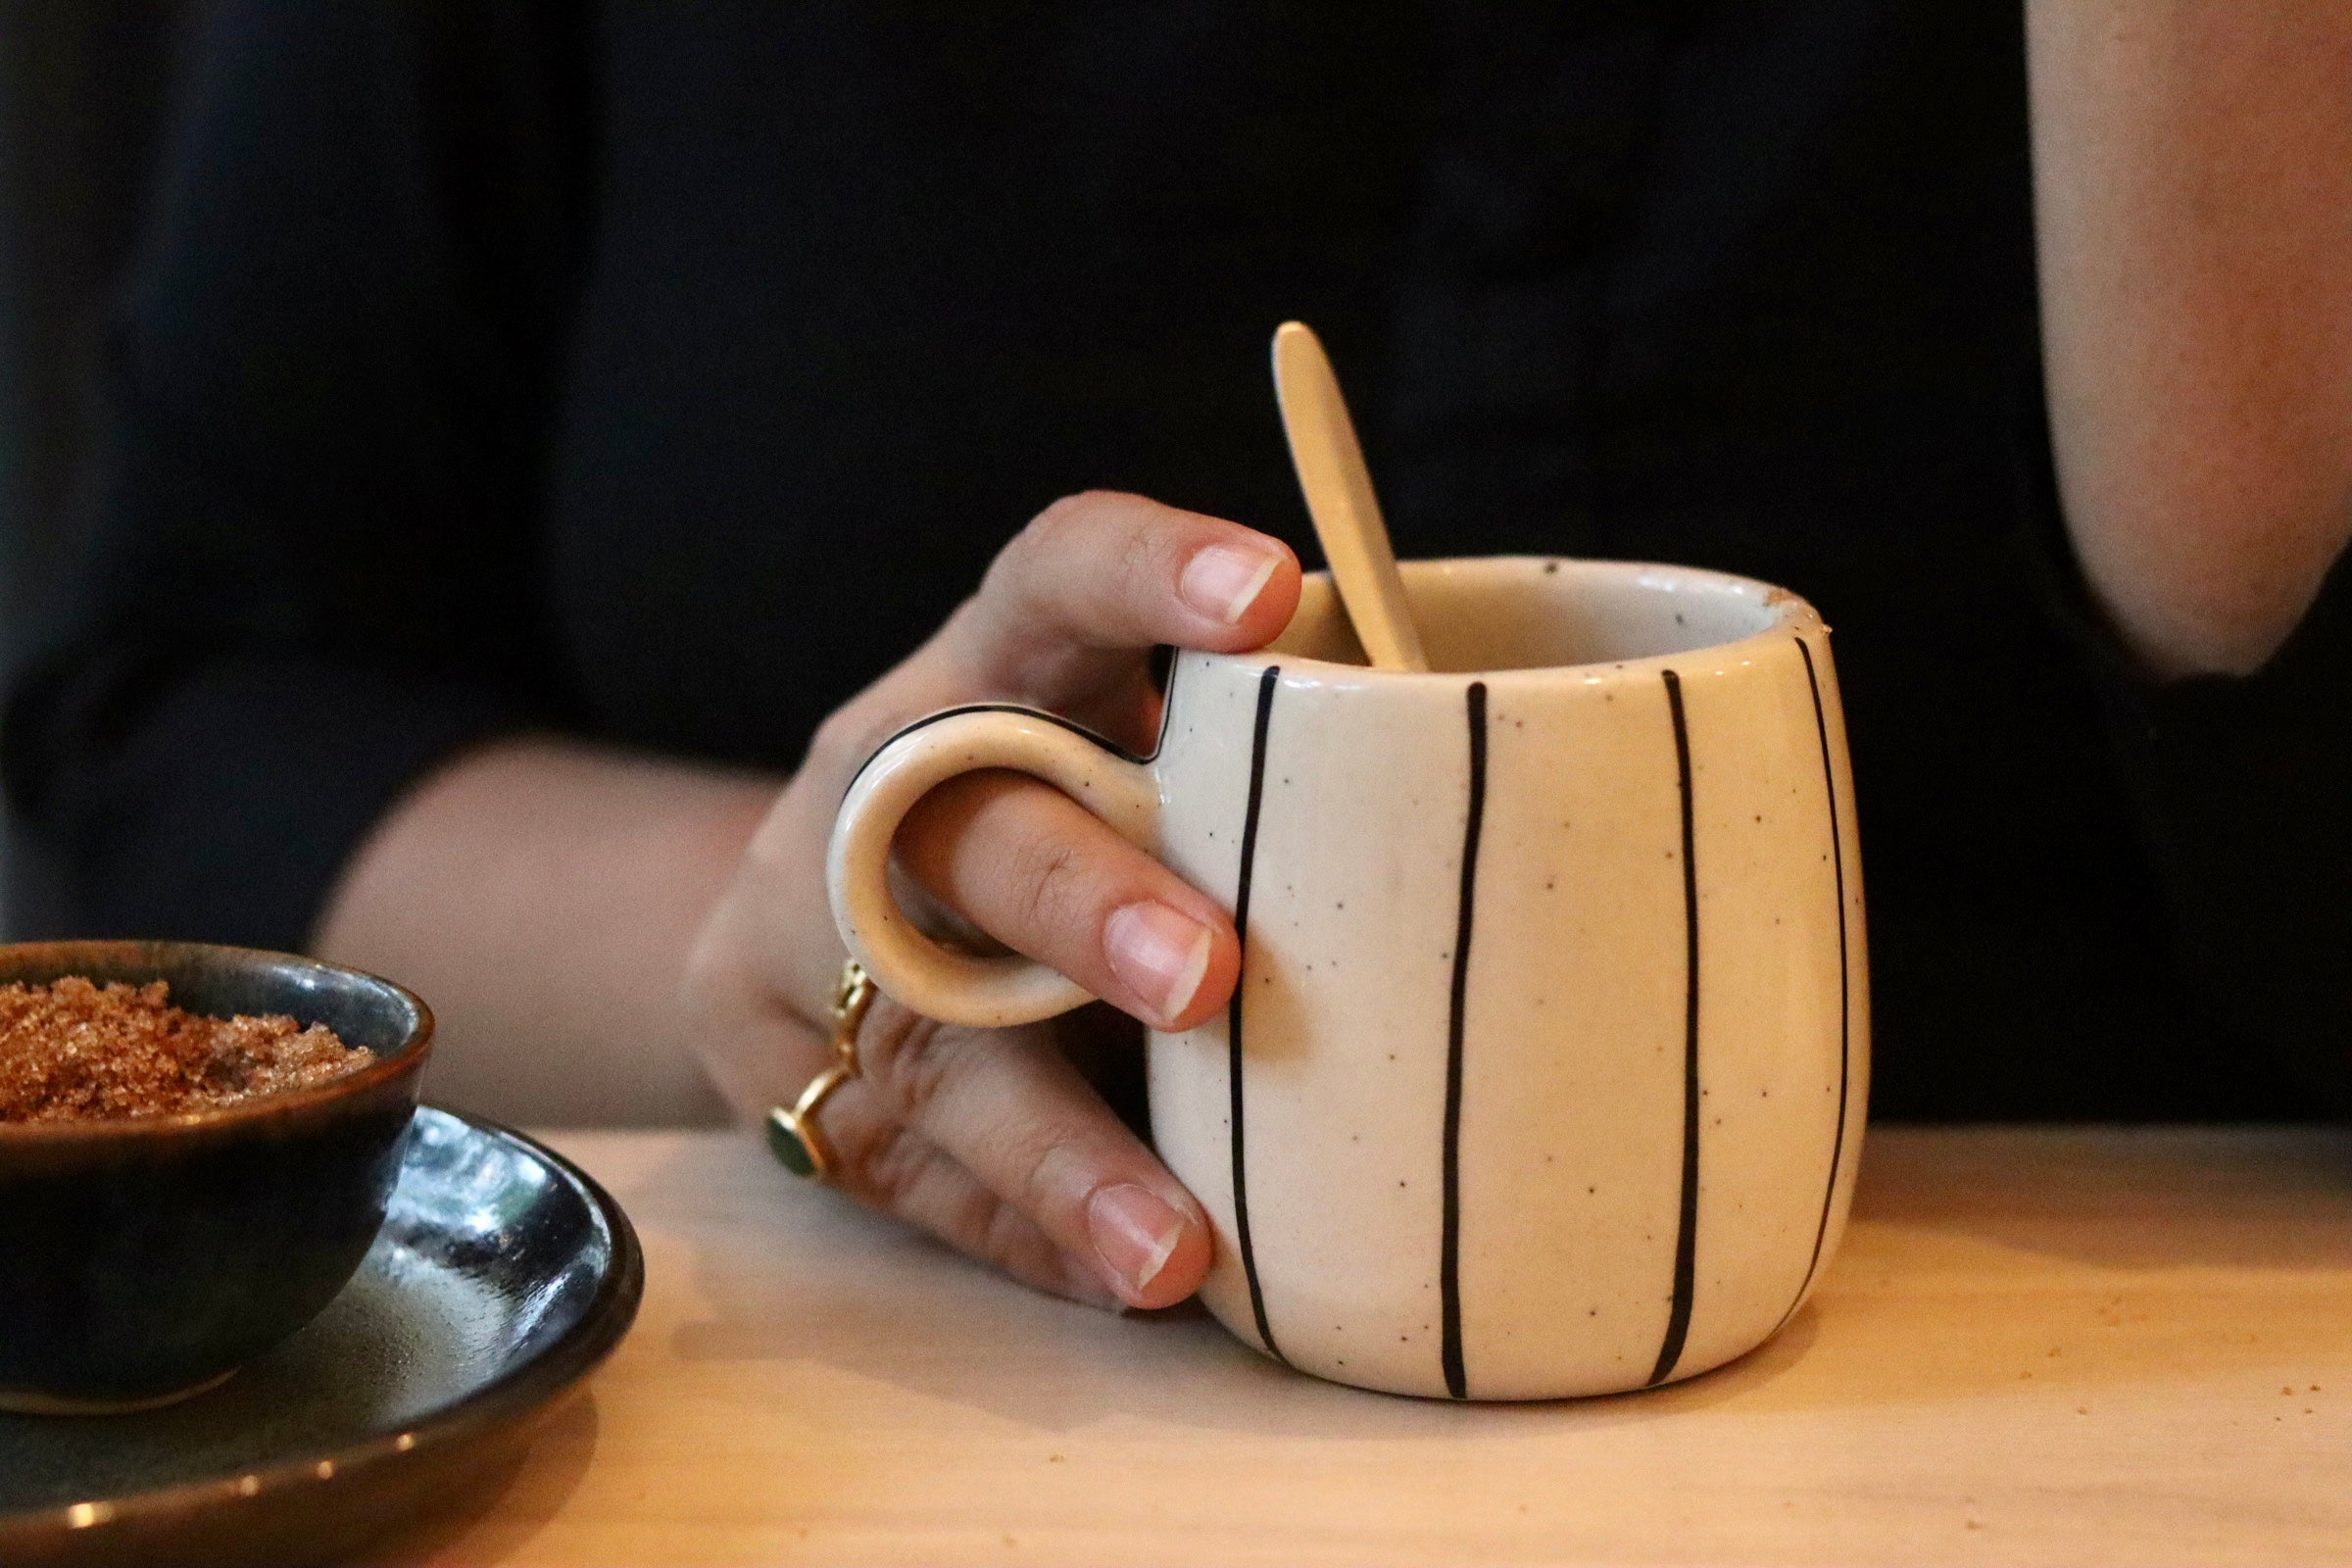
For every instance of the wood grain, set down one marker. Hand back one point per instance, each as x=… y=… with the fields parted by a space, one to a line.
x=2036 y=1347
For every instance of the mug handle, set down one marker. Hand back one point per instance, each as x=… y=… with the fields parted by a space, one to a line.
x=957 y=987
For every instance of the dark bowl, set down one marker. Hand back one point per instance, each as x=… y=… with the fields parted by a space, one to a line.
x=143 y=1259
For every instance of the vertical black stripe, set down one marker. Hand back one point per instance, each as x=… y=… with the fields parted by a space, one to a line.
x=1845 y=984
x=1233 y=1010
x=1686 y=1244
x=1450 y=1246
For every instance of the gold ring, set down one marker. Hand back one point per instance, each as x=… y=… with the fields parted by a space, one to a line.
x=793 y=1135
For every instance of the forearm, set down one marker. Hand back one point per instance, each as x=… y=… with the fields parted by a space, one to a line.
x=2193 y=195
x=542 y=896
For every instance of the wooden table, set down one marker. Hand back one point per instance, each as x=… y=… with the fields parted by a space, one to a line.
x=2073 y=1345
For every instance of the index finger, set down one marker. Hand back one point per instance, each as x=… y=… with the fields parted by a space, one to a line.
x=1097 y=578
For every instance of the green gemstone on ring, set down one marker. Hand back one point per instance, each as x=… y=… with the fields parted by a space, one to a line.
x=785 y=1141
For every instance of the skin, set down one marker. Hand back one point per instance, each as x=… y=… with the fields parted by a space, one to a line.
x=2194 y=166
x=2194 y=213
x=990 y=1139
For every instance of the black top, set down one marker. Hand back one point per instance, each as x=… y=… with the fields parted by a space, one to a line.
x=665 y=375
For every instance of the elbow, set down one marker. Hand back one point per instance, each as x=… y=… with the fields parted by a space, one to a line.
x=2207 y=569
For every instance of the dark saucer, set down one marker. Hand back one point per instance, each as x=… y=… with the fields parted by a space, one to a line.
x=501 y=1277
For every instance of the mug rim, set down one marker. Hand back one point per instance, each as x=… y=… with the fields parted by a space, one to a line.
x=1789 y=612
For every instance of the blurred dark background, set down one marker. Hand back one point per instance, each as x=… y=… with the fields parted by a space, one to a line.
x=83 y=87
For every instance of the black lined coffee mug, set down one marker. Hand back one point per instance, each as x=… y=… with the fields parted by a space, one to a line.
x=1546 y=1071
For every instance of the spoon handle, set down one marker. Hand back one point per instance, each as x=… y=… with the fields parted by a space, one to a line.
x=1339 y=498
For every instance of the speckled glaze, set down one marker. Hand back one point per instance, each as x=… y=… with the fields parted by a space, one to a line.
x=144 y=1259
x=1546 y=1072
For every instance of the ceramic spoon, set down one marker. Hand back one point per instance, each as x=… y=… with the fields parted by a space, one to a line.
x=1339 y=498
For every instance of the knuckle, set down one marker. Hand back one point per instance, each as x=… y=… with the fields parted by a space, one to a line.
x=1082 y=509
x=846 y=738
x=1044 y=1164
x=1070 y=524
x=1051 y=886
x=1044 y=534
x=914 y=1178
x=911 y=1058
x=1009 y=1238
x=887 y=1165
x=1011 y=611
x=1140 y=568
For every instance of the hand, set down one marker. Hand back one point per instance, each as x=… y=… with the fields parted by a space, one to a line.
x=993 y=1139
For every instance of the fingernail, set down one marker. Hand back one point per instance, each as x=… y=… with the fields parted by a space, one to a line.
x=1158 y=954
x=1225 y=580
x=1134 y=1233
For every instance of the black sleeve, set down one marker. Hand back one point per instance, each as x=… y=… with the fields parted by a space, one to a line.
x=2244 y=787
x=312 y=520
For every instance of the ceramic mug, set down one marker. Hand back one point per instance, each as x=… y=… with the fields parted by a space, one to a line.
x=1546 y=1067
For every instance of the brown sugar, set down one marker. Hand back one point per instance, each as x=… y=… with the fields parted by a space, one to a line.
x=72 y=1050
